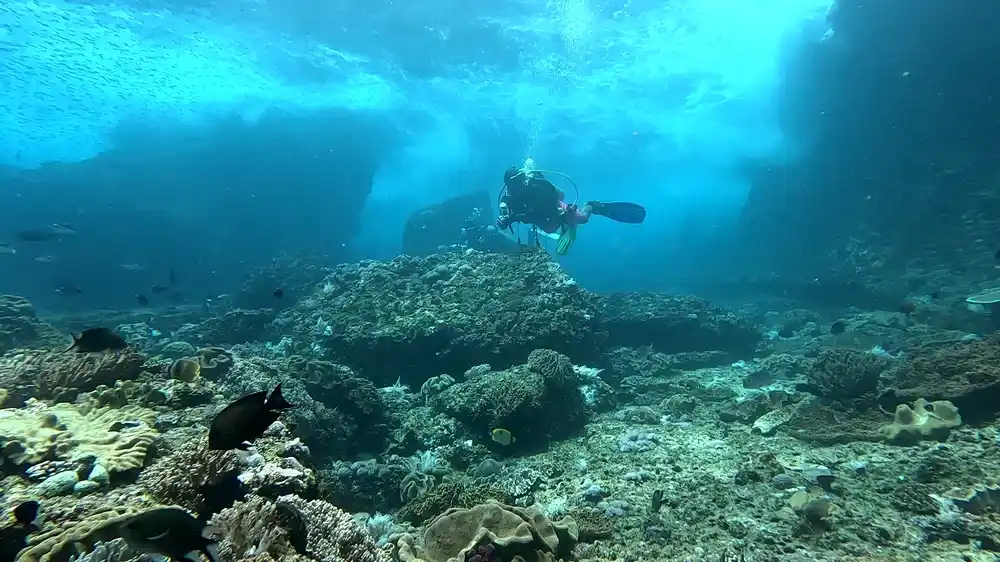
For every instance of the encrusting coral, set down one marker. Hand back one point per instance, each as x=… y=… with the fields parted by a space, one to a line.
x=119 y=438
x=59 y=543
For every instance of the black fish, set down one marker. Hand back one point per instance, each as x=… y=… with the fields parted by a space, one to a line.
x=143 y=300
x=94 y=340
x=14 y=538
x=220 y=492
x=245 y=420
x=838 y=327
x=157 y=289
x=278 y=293
x=26 y=513
x=169 y=531
x=935 y=295
x=295 y=523
x=656 y=501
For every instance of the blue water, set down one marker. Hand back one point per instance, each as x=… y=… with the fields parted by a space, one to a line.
x=663 y=103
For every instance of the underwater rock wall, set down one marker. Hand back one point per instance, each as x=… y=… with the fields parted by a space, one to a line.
x=896 y=112
x=254 y=188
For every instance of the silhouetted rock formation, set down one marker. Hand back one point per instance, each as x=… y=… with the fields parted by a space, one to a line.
x=899 y=112
x=462 y=221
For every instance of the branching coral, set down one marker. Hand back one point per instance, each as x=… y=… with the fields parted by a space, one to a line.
x=176 y=477
x=845 y=373
x=254 y=526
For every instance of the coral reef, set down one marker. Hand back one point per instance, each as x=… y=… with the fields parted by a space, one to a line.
x=845 y=374
x=62 y=376
x=253 y=527
x=535 y=401
x=966 y=374
x=118 y=438
x=416 y=318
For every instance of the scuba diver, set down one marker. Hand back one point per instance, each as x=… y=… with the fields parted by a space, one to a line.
x=528 y=197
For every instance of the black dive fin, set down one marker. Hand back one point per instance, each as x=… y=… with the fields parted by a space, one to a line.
x=630 y=213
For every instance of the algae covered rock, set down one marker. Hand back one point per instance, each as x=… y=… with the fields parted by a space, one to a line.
x=20 y=326
x=967 y=374
x=675 y=324
x=420 y=317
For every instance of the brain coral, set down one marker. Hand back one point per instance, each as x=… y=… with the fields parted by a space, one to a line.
x=420 y=317
x=119 y=438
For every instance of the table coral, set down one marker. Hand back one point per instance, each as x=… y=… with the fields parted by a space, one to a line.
x=119 y=438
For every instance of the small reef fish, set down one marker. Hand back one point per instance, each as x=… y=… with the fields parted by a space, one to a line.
x=44 y=259
x=131 y=267
x=186 y=370
x=278 y=293
x=68 y=290
x=97 y=340
x=502 y=436
x=157 y=289
x=14 y=537
x=245 y=420
x=62 y=229
x=838 y=327
x=171 y=532
x=295 y=523
x=143 y=300
x=220 y=492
